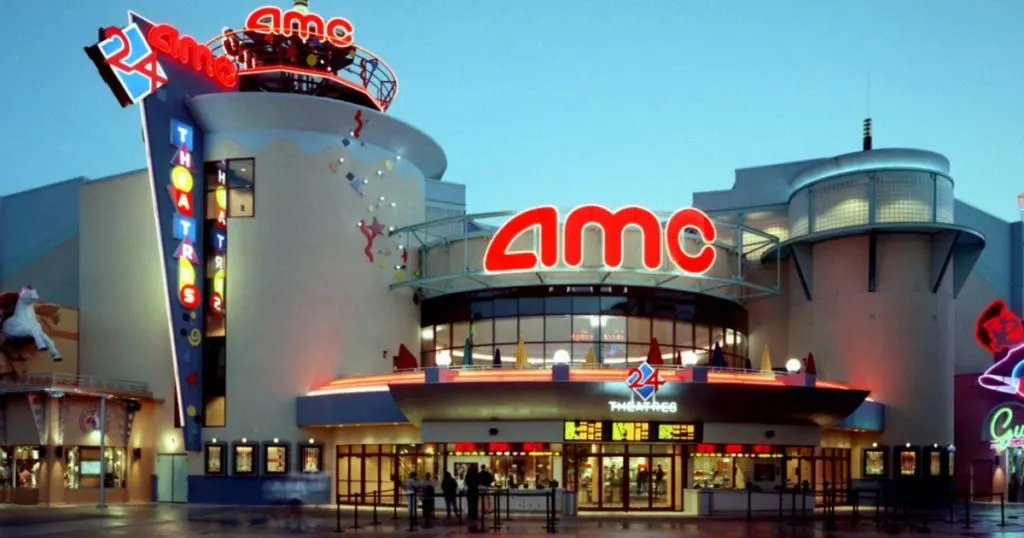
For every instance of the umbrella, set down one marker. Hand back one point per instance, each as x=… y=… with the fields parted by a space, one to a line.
x=809 y=367
x=405 y=360
x=654 y=353
x=521 y=361
x=591 y=358
x=467 y=353
x=717 y=358
x=497 y=358
x=766 y=360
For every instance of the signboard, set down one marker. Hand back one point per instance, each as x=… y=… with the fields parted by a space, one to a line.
x=598 y=431
x=1001 y=332
x=1003 y=429
x=552 y=250
x=644 y=381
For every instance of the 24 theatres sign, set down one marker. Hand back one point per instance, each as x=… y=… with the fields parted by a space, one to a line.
x=644 y=382
x=551 y=250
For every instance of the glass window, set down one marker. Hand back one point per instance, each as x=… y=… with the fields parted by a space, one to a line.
x=27 y=460
x=586 y=305
x=711 y=472
x=481 y=309
x=244 y=459
x=531 y=306
x=427 y=339
x=460 y=332
x=275 y=459
x=613 y=329
x=637 y=352
x=585 y=328
x=83 y=469
x=443 y=336
x=506 y=330
x=506 y=308
x=613 y=305
x=216 y=455
x=535 y=354
x=312 y=458
x=684 y=334
x=483 y=332
x=531 y=329
x=638 y=330
x=702 y=337
x=484 y=355
x=663 y=331
x=558 y=305
x=580 y=351
x=613 y=353
x=241 y=202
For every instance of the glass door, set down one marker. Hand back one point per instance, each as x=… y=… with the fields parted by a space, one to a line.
x=661 y=477
x=640 y=479
x=613 y=482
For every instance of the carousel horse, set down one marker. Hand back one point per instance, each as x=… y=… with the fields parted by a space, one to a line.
x=19 y=323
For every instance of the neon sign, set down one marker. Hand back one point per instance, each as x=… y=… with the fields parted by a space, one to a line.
x=218 y=244
x=187 y=51
x=1002 y=431
x=272 y=20
x=999 y=330
x=613 y=224
x=132 y=70
x=644 y=382
x=181 y=190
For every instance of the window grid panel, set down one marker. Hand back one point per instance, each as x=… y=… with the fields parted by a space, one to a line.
x=904 y=197
x=840 y=204
x=945 y=201
x=798 y=214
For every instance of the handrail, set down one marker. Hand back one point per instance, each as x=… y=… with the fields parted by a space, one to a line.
x=86 y=381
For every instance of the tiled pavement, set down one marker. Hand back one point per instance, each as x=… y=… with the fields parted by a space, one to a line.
x=191 y=520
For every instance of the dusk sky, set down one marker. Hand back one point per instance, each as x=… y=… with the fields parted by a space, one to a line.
x=571 y=101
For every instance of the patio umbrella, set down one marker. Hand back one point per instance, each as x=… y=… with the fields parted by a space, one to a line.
x=521 y=361
x=467 y=353
x=497 y=358
x=809 y=367
x=717 y=358
x=591 y=357
x=405 y=360
x=654 y=353
x=766 y=360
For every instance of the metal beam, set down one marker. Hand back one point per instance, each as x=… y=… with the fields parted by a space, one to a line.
x=803 y=260
x=943 y=246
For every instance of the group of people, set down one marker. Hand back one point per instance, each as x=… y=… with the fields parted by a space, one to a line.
x=477 y=480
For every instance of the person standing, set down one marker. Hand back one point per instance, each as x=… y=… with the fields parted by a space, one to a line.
x=486 y=480
x=472 y=484
x=449 y=489
x=410 y=492
x=427 y=489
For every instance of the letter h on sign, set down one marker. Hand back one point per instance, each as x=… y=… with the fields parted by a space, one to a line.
x=613 y=225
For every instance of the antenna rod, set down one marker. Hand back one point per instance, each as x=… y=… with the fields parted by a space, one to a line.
x=867 y=134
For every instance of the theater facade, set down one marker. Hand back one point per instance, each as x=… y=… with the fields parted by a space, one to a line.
x=301 y=310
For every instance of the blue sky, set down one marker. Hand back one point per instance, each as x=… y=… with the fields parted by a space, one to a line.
x=573 y=101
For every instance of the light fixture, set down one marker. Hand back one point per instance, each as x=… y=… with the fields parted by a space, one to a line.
x=243 y=169
x=311 y=440
x=561 y=356
x=393 y=204
x=341 y=159
x=275 y=440
x=874 y=445
x=908 y=445
x=794 y=365
x=443 y=358
x=689 y=358
x=935 y=445
x=381 y=198
x=244 y=440
x=398 y=157
x=380 y=173
x=214 y=440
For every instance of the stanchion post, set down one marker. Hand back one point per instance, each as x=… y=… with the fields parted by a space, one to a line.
x=1002 y=509
x=792 y=506
x=337 y=513
x=750 y=499
x=376 y=502
x=357 y=499
x=394 y=500
x=967 y=511
x=496 y=509
x=781 y=493
x=803 y=500
x=508 y=504
x=458 y=507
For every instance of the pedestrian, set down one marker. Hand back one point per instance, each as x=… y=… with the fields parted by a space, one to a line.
x=473 y=497
x=449 y=489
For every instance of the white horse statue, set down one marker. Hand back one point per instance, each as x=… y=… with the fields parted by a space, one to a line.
x=24 y=325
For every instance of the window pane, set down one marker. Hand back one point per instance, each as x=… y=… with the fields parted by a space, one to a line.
x=460 y=332
x=482 y=309
x=638 y=330
x=558 y=328
x=531 y=306
x=663 y=332
x=558 y=305
x=613 y=329
x=483 y=332
x=580 y=350
x=427 y=339
x=684 y=334
x=717 y=336
x=241 y=173
x=702 y=337
x=531 y=329
x=505 y=308
x=483 y=355
x=613 y=305
x=508 y=353
x=613 y=353
x=506 y=330
x=585 y=328
x=586 y=305
x=443 y=336
x=240 y=202
x=637 y=352
x=535 y=354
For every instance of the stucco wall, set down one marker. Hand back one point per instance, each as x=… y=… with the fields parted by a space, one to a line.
x=896 y=341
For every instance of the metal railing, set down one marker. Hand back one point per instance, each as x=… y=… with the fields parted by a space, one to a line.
x=85 y=382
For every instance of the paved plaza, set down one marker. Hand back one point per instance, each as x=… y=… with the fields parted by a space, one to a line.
x=192 y=520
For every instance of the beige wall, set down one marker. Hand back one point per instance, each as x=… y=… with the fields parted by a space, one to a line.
x=768 y=317
x=977 y=294
x=305 y=305
x=123 y=318
x=897 y=341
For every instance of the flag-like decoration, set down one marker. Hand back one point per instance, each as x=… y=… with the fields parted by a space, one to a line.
x=497 y=358
x=809 y=367
x=38 y=408
x=591 y=358
x=766 y=360
x=405 y=360
x=129 y=421
x=654 y=353
x=521 y=361
x=63 y=403
x=467 y=353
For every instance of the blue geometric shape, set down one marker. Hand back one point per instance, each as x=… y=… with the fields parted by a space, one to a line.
x=345 y=142
x=181 y=134
x=350 y=176
x=184 y=228
x=219 y=239
x=643 y=380
x=129 y=57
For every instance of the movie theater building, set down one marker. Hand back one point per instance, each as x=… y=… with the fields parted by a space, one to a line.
x=298 y=312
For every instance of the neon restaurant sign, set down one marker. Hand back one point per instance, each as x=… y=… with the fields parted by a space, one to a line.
x=644 y=382
x=1002 y=428
x=1001 y=332
x=551 y=250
